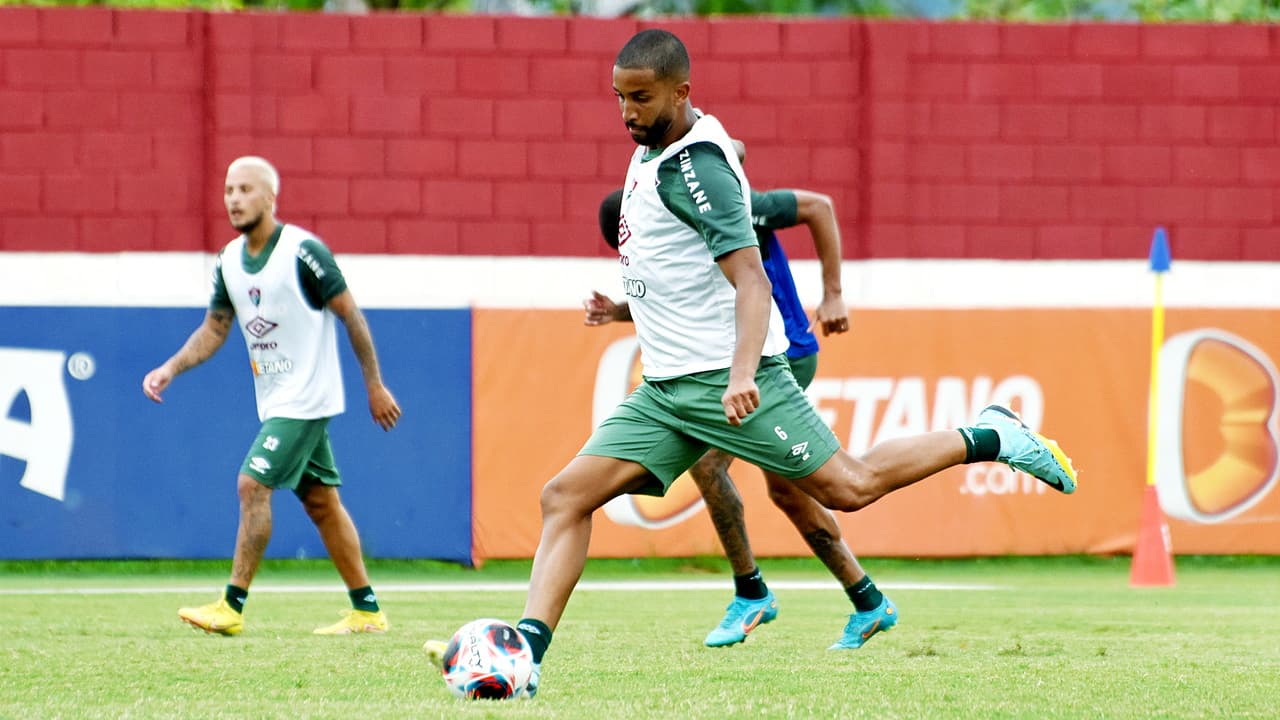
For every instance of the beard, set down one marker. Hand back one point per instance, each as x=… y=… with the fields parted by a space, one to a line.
x=652 y=135
x=249 y=225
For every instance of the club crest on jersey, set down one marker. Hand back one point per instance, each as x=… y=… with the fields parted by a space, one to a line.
x=255 y=296
x=624 y=232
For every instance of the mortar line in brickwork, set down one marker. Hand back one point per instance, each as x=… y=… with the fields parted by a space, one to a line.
x=863 y=138
x=209 y=73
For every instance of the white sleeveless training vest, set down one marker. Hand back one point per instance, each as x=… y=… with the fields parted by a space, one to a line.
x=293 y=348
x=682 y=304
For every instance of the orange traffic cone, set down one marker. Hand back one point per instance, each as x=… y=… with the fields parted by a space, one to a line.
x=1152 y=558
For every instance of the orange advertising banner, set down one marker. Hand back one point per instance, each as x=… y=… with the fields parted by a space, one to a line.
x=1081 y=376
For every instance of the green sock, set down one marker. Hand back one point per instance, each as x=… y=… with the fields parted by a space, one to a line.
x=980 y=444
x=235 y=597
x=864 y=594
x=750 y=586
x=364 y=599
x=537 y=634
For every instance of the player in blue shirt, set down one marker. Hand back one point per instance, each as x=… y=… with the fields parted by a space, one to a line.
x=753 y=603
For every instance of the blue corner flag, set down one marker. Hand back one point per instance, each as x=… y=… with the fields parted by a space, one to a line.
x=1160 y=256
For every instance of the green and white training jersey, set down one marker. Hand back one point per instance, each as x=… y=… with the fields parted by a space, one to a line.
x=279 y=298
x=683 y=206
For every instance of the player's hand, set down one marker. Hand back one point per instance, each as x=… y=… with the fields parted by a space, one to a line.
x=155 y=382
x=832 y=316
x=383 y=407
x=600 y=309
x=740 y=399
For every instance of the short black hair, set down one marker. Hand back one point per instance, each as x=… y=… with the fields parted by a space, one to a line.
x=610 y=211
x=657 y=50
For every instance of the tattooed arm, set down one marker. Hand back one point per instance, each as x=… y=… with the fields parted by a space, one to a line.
x=382 y=405
x=201 y=346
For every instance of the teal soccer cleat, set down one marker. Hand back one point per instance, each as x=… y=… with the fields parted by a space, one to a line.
x=531 y=687
x=862 y=625
x=741 y=617
x=1030 y=452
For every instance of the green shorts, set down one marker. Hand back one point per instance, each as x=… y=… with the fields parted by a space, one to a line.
x=666 y=425
x=804 y=368
x=291 y=454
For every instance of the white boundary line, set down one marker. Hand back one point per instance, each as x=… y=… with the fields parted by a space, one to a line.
x=454 y=587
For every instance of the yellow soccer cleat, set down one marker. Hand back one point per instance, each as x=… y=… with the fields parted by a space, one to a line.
x=217 y=618
x=356 y=621
x=435 y=652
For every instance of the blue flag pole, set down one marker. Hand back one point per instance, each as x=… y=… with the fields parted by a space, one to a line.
x=1152 y=556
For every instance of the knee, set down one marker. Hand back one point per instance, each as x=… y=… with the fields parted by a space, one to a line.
x=805 y=513
x=848 y=500
x=315 y=510
x=251 y=492
x=320 y=503
x=785 y=496
x=711 y=475
x=559 y=500
x=841 y=497
x=711 y=470
x=844 y=483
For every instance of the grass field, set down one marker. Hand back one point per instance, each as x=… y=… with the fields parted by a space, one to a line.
x=1026 y=638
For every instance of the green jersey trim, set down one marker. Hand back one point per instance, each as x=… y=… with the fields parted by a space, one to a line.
x=253 y=264
x=319 y=276
x=318 y=273
x=220 y=299
x=774 y=210
x=698 y=186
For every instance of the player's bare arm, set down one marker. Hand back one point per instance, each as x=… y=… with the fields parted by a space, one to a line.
x=602 y=310
x=818 y=213
x=200 y=346
x=744 y=270
x=382 y=404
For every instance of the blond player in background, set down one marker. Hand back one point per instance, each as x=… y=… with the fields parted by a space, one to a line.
x=286 y=289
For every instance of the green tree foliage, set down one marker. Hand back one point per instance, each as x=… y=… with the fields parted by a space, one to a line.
x=282 y=5
x=1208 y=10
x=1015 y=10
x=768 y=7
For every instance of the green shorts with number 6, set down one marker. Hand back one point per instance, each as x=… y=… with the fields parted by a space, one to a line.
x=291 y=453
x=666 y=425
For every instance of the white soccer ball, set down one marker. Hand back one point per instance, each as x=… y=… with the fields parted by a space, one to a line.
x=487 y=659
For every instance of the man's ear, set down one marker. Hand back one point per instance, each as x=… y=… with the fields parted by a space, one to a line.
x=682 y=92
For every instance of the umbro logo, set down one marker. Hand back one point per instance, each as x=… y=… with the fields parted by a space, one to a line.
x=260 y=464
x=260 y=326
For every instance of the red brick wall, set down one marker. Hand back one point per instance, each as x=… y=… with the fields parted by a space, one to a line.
x=1073 y=141
x=498 y=135
x=101 y=130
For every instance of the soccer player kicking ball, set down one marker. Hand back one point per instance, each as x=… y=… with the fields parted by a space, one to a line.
x=753 y=603
x=713 y=350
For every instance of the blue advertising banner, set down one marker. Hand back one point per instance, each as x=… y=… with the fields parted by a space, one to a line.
x=90 y=468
